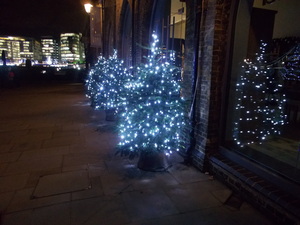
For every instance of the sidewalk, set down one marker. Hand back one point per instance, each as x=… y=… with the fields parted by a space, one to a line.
x=57 y=167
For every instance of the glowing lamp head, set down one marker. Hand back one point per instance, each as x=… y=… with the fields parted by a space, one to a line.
x=88 y=7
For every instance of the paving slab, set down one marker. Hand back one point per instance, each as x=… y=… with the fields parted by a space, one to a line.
x=41 y=164
x=249 y=215
x=44 y=152
x=112 y=214
x=5 y=147
x=26 y=145
x=56 y=214
x=185 y=174
x=102 y=210
x=43 y=126
x=80 y=160
x=22 y=200
x=34 y=177
x=95 y=190
x=188 y=198
x=89 y=148
x=96 y=170
x=209 y=184
x=37 y=136
x=154 y=180
x=66 y=133
x=62 y=141
x=13 y=125
x=3 y=167
x=222 y=195
x=56 y=184
x=13 y=183
x=9 y=156
x=123 y=166
x=5 y=199
x=13 y=134
x=18 y=218
x=114 y=184
x=149 y=203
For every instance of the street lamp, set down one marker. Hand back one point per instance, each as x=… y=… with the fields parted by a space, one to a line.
x=88 y=7
x=94 y=9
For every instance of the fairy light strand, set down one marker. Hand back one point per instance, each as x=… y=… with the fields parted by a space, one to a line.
x=259 y=102
x=106 y=82
x=153 y=116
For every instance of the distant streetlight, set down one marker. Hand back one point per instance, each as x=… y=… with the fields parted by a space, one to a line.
x=88 y=7
x=93 y=41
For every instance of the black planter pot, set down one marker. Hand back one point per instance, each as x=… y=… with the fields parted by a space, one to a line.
x=153 y=161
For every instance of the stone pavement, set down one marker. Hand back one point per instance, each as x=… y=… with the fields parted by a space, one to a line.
x=58 y=167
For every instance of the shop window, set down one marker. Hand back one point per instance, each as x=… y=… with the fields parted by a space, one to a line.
x=263 y=121
x=177 y=26
x=126 y=49
x=169 y=22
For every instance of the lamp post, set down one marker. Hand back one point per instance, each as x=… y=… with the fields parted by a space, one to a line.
x=88 y=8
x=95 y=37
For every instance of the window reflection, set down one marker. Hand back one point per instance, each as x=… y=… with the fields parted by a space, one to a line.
x=264 y=103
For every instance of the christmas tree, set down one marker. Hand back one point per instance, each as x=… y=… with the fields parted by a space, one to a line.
x=92 y=81
x=259 y=103
x=153 y=116
x=291 y=64
x=105 y=83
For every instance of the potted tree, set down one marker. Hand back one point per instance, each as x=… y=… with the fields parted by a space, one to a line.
x=105 y=85
x=153 y=116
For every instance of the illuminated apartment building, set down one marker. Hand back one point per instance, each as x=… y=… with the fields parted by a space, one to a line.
x=12 y=48
x=37 y=50
x=71 y=48
x=26 y=49
x=50 y=50
x=3 y=46
x=19 y=49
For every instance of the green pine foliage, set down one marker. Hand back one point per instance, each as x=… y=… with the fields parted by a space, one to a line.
x=105 y=83
x=153 y=113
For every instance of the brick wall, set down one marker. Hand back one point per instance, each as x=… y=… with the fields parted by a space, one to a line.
x=189 y=72
x=142 y=23
x=109 y=27
x=211 y=67
x=279 y=205
x=120 y=9
x=204 y=83
x=141 y=10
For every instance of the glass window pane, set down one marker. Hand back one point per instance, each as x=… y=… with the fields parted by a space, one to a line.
x=263 y=120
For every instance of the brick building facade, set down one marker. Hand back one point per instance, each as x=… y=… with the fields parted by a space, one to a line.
x=210 y=34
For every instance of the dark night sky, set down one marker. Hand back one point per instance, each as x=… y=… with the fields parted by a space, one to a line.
x=35 y=18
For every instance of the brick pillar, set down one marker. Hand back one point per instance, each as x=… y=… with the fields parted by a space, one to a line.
x=109 y=27
x=143 y=10
x=193 y=8
x=211 y=66
x=218 y=72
